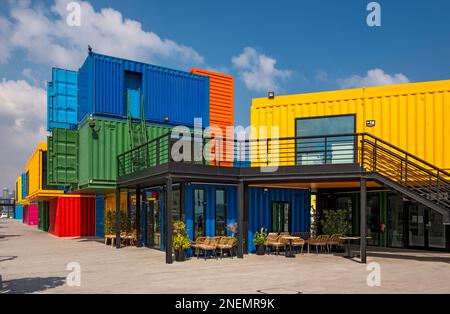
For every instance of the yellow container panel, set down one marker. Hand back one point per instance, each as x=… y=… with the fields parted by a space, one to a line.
x=34 y=171
x=410 y=116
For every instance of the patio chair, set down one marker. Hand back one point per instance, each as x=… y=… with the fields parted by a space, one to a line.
x=298 y=243
x=319 y=242
x=226 y=244
x=334 y=240
x=274 y=241
x=195 y=244
x=210 y=245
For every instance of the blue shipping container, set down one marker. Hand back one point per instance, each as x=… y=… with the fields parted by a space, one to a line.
x=99 y=215
x=107 y=84
x=18 y=213
x=260 y=210
x=210 y=204
x=62 y=100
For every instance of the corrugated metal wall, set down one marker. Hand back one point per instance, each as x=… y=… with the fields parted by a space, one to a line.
x=260 y=206
x=99 y=147
x=43 y=215
x=62 y=157
x=62 y=99
x=31 y=214
x=177 y=95
x=231 y=200
x=411 y=116
x=72 y=216
x=18 y=214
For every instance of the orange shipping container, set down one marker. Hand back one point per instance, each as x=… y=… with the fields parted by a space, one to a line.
x=221 y=103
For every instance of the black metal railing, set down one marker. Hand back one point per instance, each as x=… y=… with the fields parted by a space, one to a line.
x=405 y=169
x=371 y=153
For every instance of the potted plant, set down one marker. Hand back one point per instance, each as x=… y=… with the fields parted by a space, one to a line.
x=180 y=241
x=259 y=240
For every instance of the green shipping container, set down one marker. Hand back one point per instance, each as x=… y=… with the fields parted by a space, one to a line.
x=62 y=157
x=43 y=215
x=100 y=142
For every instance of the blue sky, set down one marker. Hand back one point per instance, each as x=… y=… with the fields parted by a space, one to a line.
x=287 y=46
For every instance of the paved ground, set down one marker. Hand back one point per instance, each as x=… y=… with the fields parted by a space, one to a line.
x=32 y=261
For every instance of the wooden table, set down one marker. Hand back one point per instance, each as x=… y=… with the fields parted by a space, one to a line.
x=290 y=238
x=349 y=239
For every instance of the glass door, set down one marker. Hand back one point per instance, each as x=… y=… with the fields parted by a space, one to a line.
x=199 y=213
x=154 y=215
x=396 y=222
x=436 y=230
x=373 y=219
x=416 y=225
x=281 y=217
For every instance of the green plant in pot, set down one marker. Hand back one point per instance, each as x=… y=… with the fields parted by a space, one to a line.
x=259 y=240
x=180 y=240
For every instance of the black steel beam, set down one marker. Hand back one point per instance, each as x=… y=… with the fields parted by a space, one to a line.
x=168 y=221
x=118 y=222
x=240 y=224
x=138 y=218
x=363 y=224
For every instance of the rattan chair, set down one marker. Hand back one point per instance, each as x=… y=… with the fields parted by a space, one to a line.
x=210 y=245
x=319 y=242
x=226 y=244
x=334 y=240
x=274 y=241
x=298 y=243
x=195 y=245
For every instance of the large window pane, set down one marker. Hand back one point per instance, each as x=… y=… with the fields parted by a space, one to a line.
x=199 y=213
x=221 y=211
x=346 y=203
x=395 y=221
x=331 y=150
x=176 y=208
x=373 y=220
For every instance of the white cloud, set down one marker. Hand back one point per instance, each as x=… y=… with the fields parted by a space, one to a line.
x=46 y=38
x=374 y=77
x=321 y=75
x=22 y=126
x=258 y=71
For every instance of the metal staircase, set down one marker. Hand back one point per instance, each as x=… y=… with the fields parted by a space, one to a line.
x=401 y=171
x=138 y=134
x=137 y=129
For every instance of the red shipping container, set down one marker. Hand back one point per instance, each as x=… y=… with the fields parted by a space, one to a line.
x=72 y=217
x=30 y=214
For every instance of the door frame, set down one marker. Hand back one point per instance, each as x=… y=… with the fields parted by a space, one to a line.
x=289 y=215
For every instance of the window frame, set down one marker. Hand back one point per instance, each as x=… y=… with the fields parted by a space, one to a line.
x=204 y=211
x=289 y=215
x=225 y=205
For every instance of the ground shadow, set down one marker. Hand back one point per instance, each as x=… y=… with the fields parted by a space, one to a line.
x=435 y=259
x=7 y=258
x=90 y=239
x=30 y=285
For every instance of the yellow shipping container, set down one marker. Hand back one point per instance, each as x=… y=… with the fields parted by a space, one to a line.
x=37 y=189
x=19 y=199
x=410 y=116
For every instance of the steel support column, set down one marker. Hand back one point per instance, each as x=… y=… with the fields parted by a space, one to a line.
x=118 y=222
x=138 y=217
x=240 y=224
x=363 y=224
x=168 y=221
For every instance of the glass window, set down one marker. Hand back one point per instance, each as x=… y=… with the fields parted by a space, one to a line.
x=199 y=213
x=177 y=214
x=280 y=217
x=332 y=150
x=395 y=221
x=373 y=219
x=346 y=203
x=221 y=213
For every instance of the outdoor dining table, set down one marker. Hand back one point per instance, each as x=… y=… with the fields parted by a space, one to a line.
x=290 y=238
x=348 y=245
